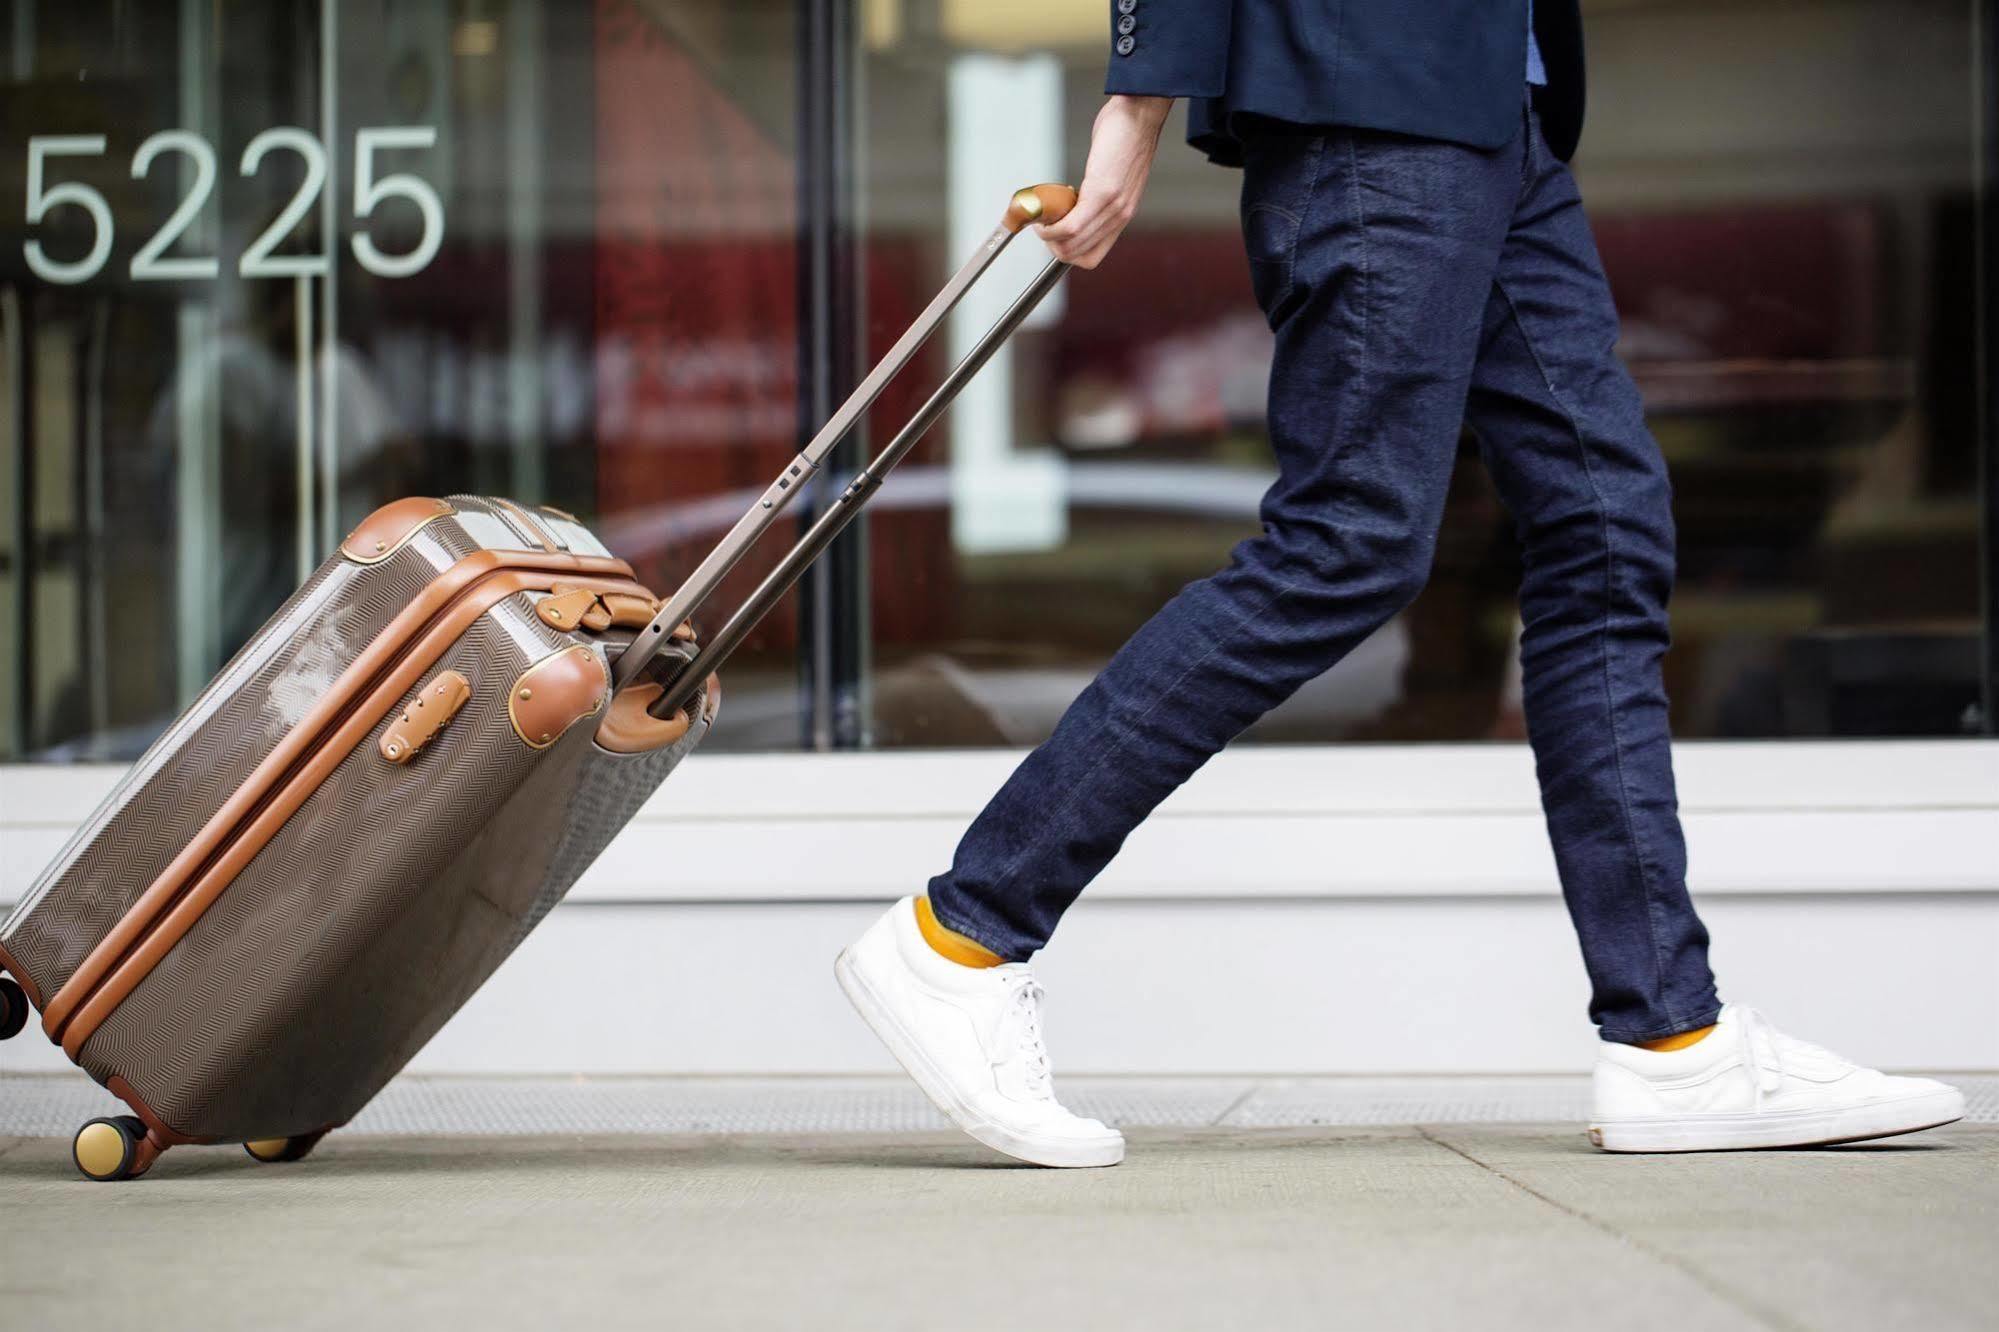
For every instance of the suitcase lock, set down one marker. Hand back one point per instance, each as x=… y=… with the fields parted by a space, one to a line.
x=436 y=704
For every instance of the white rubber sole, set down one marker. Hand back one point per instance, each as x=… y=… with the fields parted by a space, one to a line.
x=1780 y=1128
x=1064 y=1153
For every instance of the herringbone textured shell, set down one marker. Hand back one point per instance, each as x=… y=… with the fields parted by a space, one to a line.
x=183 y=778
x=377 y=909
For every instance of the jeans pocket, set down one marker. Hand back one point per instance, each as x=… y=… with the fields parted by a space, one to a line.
x=1270 y=237
x=1280 y=174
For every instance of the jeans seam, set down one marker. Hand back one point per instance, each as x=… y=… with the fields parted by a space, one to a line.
x=1364 y=371
x=1527 y=146
x=1647 y=876
x=980 y=936
x=1298 y=222
x=1116 y=744
x=1674 y=1026
x=1284 y=589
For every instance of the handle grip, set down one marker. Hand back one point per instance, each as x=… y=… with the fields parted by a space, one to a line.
x=1040 y=204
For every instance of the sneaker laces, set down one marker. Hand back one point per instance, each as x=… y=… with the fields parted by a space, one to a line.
x=1023 y=1016
x=1759 y=1050
x=1771 y=1054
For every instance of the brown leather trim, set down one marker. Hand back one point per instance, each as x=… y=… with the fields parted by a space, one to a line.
x=436 y=704
x=555 y=693
x=536 y=532
x=156 y=1128
x=389 y=528
x=145 y=1154
x=623 y=612
x=373 y=660
x=13 y=968
x=571 y=608
x=628 y=728
x=567 y=607
x=187 y=908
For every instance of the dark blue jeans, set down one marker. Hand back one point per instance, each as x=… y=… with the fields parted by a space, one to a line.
x=1413 y=286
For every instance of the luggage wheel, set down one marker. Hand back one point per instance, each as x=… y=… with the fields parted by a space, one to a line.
x=13 y=1009
x=273 y=1150
x=113 y=1149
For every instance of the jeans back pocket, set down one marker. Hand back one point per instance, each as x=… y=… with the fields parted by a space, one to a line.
x=1280 y=171
x=1270 y=237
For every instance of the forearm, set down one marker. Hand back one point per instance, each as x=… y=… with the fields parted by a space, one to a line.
x=1122 y=145
x=1145 y=110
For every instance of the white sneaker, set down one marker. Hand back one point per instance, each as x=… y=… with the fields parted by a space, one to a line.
x=1749 y=1085
x=971 y=1037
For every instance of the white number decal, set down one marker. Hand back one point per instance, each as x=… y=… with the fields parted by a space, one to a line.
x=369 y=191
x=258 y=262
x=147 y=264
x=150 y=264
x=40 y=201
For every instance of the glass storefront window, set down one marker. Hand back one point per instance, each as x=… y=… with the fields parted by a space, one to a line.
x=1783 y=198
x=281 y=263
x=276 y=264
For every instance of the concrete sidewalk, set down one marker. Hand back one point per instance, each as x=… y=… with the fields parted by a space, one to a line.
x=37 y=1105
x=1485 y=1226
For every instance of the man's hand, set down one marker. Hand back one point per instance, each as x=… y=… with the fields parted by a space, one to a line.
x=1122 y=145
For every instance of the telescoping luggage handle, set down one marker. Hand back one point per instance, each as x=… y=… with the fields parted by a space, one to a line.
x=1037 y=203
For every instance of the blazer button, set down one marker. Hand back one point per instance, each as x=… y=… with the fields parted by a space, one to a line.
x=1125 y=45
x=1127 y=23
x=1126 y=6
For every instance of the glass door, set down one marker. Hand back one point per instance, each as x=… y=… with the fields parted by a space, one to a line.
x=275 y=264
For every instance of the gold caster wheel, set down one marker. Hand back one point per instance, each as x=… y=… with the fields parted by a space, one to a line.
x=13 y=1009
x=273 y=1150
x=113 y=1149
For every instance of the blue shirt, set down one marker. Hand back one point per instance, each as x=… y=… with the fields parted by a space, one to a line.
x=1537 y=73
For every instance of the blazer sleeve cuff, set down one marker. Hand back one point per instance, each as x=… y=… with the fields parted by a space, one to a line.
x=1176 y=48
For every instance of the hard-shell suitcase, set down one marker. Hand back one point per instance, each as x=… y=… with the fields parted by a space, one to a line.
x=381 y=794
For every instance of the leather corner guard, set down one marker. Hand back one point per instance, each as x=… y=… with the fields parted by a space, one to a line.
x=362 y=694
x=436 y=704
x=629 y=728
x=389 y=528
x=557 y=692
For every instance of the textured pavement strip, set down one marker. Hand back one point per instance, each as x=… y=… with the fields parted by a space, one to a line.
x=36 y=1105
x=1468 y=1226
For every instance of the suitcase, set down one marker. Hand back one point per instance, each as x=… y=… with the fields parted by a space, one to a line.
x=397 y=777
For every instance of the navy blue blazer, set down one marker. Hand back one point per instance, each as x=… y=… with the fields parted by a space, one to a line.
x=1437 y=69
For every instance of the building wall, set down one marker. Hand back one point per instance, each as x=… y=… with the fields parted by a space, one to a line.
x=1310 y=910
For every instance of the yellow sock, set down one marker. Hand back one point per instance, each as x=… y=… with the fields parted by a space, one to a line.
x=950 y=945
x=1679 y=1042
